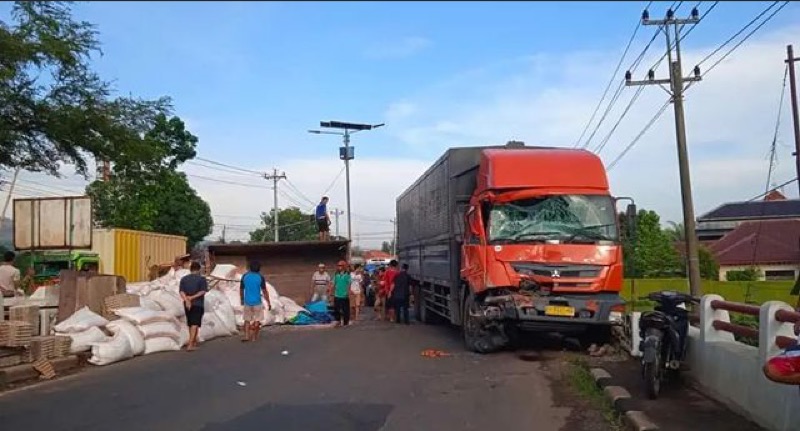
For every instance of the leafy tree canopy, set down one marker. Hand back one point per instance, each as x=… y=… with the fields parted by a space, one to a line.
x=293 y=225
x=53 y=107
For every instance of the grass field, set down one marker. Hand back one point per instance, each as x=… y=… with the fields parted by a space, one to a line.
x=754 y=292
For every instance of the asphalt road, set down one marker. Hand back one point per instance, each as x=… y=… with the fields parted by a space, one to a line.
x=367 y=377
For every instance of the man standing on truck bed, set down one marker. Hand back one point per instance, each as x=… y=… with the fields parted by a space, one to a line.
x=323 y=220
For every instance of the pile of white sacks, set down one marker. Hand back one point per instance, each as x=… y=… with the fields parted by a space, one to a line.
x=159 y=323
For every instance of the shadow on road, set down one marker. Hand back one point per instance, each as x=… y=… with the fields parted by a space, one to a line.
x=330 y=417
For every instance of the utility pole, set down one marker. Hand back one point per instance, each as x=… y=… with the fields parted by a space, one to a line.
x=8 y=198
x=275 y=178
x=790 y=60
x=223 y=233
x=336 y=213
x=394 y=237
x=676 y=87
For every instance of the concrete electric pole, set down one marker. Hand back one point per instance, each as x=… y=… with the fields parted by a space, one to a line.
x=336 y=213
x=676 y=87
x=275 y=178
x=790 y=60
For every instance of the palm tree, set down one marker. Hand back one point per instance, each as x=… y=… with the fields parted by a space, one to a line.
x=675 y=231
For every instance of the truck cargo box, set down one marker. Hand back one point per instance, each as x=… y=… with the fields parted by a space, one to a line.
x=131 y=253
x=286 y=265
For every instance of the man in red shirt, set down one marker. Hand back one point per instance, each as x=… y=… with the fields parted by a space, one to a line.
x=388 y=286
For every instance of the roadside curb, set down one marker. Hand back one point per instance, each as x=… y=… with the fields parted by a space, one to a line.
x=25 y=372
x=620 y=398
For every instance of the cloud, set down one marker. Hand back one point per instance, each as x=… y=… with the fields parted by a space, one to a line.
x=394 y=50
x=547 y=99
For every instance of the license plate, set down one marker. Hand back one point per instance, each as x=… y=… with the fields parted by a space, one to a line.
x=554 y=310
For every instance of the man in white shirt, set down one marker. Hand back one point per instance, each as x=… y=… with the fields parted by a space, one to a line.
x=321 y=281
x=9 y=275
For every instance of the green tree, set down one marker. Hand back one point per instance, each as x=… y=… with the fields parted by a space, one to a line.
x=293 y=225
x=709 y=268
x=651 y=253
x=145 y=192
x=675 y=231
x=53 y=107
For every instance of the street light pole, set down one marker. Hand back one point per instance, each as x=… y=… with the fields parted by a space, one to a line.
x=346 y=153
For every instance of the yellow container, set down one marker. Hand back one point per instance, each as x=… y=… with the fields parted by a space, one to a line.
x=130 y=253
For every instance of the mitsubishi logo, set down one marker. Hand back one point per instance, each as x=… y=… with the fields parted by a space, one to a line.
x=555 y=273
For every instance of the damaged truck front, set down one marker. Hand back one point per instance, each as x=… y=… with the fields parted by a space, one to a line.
x=509 y=238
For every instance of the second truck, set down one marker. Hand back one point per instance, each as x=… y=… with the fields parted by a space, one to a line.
x=509 y=238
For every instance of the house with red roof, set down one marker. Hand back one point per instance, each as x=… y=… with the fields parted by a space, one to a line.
x=772 y=246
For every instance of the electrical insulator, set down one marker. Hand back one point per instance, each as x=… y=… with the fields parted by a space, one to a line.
x=695 y=14
x=651 y=74
x=645 y=16
x=628 y=76
x=697 y=71
x=670 y=14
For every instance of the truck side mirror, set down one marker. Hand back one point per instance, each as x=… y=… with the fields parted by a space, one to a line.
x=630 y=215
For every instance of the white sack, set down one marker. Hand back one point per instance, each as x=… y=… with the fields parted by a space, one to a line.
x=212 y=327
x=82 y=341
x=142 y=316
x=184 y=335
x=290 y=308
x=224 y=271
x=115 y=350
x=135 y=337
x=80 y=321
x=149 y=304
x=218 y=303
x=141 y=288
x=160 y=344
x=168 y=301
x=161 y=329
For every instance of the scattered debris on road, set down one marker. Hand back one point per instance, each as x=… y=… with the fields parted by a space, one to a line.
x=241 y=383
x=431 y=353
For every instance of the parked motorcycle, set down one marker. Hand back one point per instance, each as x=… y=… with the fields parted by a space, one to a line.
x=663 y=335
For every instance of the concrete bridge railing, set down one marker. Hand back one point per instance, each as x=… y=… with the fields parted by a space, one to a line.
x=731 y=371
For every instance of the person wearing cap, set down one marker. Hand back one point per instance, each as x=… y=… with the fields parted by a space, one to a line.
x=321 y=284
x=341 y=294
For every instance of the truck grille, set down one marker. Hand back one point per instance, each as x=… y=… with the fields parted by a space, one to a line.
x=557 y=271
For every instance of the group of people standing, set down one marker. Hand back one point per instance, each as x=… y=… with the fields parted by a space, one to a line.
x=349 y=286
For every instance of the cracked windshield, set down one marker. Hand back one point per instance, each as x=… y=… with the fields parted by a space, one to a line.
x=566 y=218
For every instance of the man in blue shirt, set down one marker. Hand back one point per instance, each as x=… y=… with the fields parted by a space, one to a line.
x=323 y=220
x=251 y=288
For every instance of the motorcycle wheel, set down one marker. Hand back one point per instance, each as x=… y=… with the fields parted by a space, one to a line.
x=652 y=376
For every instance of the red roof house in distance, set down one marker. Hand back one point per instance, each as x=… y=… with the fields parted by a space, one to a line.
x=773 y=246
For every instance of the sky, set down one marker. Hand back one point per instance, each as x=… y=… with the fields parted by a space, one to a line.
x=250 y=78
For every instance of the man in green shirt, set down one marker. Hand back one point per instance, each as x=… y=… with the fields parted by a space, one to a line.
x=341 y=294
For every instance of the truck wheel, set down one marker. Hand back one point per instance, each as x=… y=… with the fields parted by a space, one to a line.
x=476 y=337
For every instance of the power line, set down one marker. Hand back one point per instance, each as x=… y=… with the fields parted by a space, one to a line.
x=639 y=136
x=773 y=145
x=220 y=168
x=624 y=113
x=238 y=168
x=234 y=183
x=611 y=80
x=680 y=39
x=735 y=35
x=772 y=189
x=746 y=36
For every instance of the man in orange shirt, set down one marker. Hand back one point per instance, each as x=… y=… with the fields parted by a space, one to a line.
x=388 y=286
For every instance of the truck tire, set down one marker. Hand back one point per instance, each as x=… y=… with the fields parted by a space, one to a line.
x=476 y=339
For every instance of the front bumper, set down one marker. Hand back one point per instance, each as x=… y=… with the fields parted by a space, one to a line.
x=539 y=312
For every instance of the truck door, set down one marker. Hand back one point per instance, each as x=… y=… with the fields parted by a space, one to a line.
x=473 y=250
